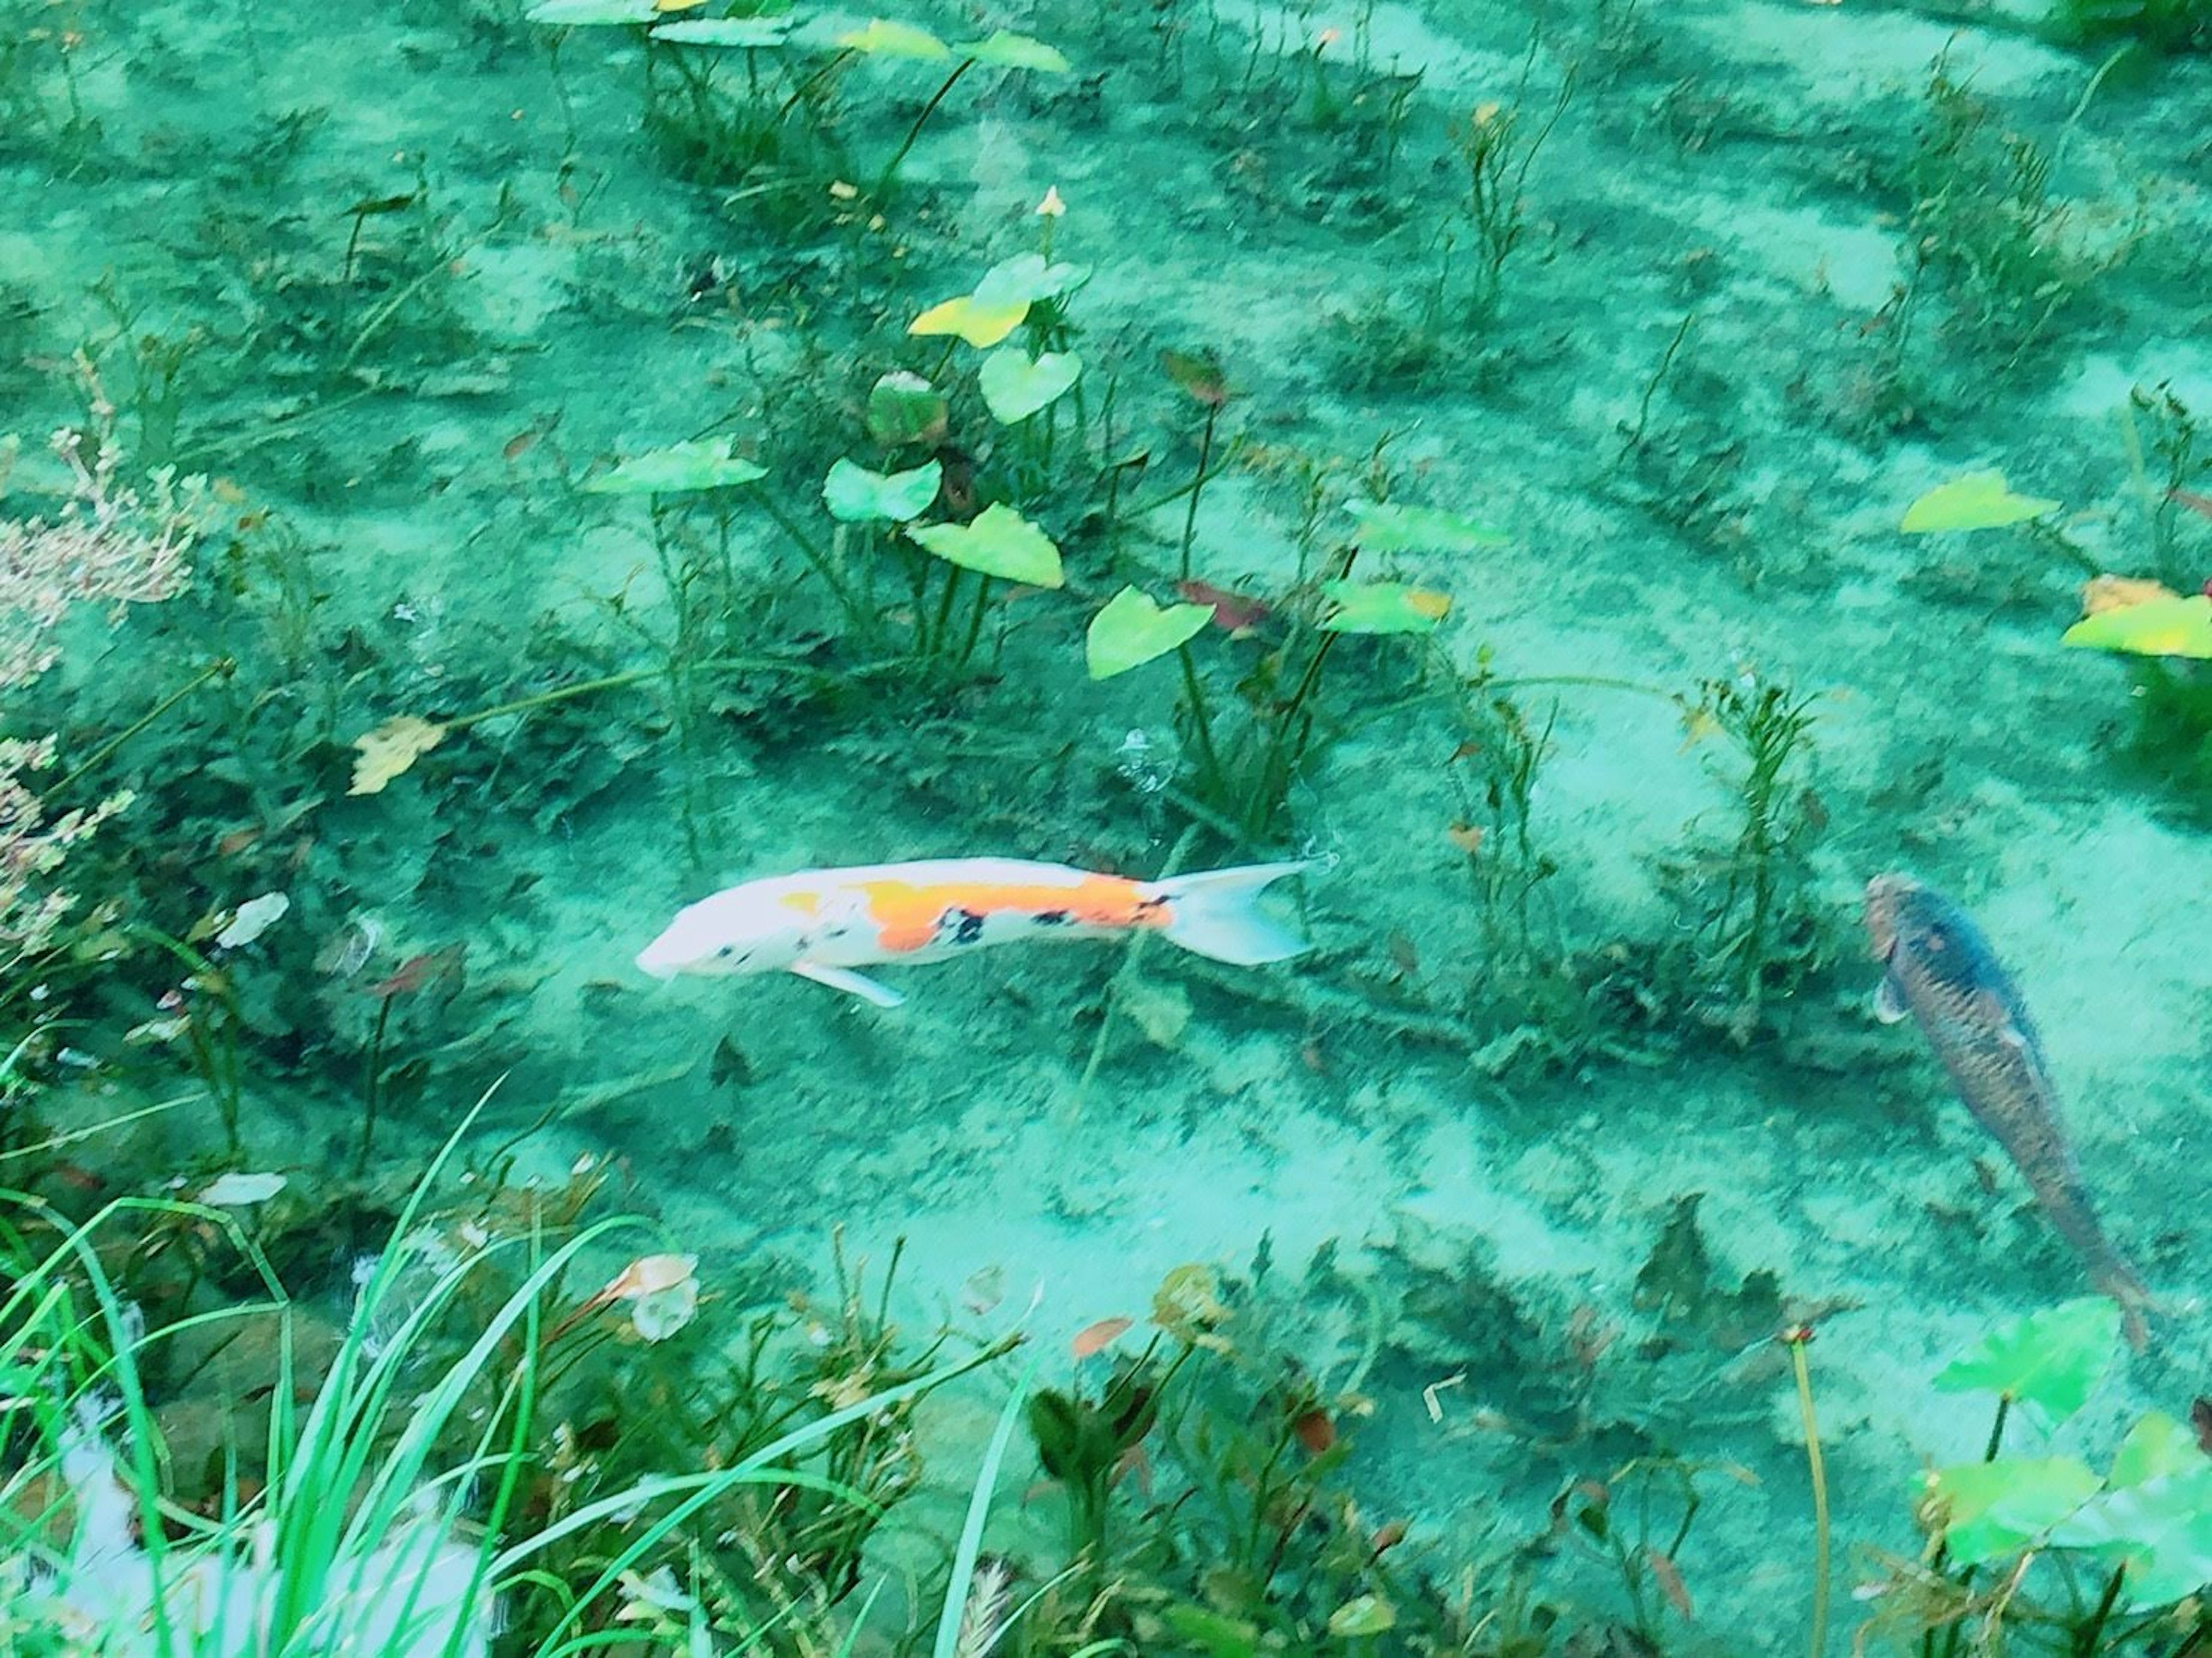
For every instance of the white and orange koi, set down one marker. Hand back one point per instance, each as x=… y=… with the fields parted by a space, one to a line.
x=822 y=924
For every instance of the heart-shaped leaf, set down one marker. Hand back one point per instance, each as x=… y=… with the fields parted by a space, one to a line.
x=390 y=749
x=2160 y=1528
x=1131 y=630
x=854 y=494
x=1383 y=607
x=1002 y=50
x=904 y=408
x=979 y=324
x=1999 y=1508
x=885 y=39
x=681 y=468
x=1001 y=542
x=2163 y=627
x=2156 y=1446
x=1387 y=526
x=592 y=13
x=751 y=33
x=1029 y=278
x=1979 y=501
x=2050 y=1359
x=1365 y=1614
x=1014 y=387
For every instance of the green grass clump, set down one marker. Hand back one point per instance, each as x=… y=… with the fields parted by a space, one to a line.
x=2157 y=26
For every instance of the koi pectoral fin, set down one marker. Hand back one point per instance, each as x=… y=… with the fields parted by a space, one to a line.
x=852 y=983
x=1889 y=1002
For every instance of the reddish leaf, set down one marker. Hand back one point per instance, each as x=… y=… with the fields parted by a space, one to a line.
x=1098 y=1337
x=1315 y=1431
x=2191 y=500
x=1668 y=1577
x=1233 y=613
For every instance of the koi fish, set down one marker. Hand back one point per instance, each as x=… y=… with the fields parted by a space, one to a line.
x=1943 y=972
x=822 y=924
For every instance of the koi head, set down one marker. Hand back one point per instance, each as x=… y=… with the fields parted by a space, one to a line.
x=761 y=927
x=1929 y=940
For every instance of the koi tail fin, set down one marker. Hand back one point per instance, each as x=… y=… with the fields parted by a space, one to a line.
x=1216 y=914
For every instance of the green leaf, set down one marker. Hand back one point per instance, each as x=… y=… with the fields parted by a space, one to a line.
x=751 y=33
x=592 y=13
x=1365 y=1614
x=1001 y=50
x=1213 y=1633
x=1381 y=607
x=2155 y=1446
x=1979 y=501
x=1027 y=279
x=1014 y=388
x=1000 y=542
x=904 y=408
x=2161 y=1529
x=854 y=494
x=1999 y=1508
x=2161 y=627
x=974 y=321
x=1385 y=527
x=1131 y=630
x=681 y=468
x=2050 y=1359
x=890 y=40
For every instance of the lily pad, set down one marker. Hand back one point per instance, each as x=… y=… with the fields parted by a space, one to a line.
x=904 y=408
x=1383 y=607
x=2161 y=1528
x=972 y=319
x=680 y=469
x=593 y=14
x=2050 y=1359
x=751 y=33
x=1131 y=630
x=2161 y=627
x=1014 y=387
x=1028 y=277
x=854 y=494
x=1999 y=1508
x=2155 y=1447
x=1979 y=501
x=1003 y=50
x=883 y=38
x=1387 y=526
x=1001 y=542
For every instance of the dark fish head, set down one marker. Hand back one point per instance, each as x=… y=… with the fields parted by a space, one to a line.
x=1935 y=942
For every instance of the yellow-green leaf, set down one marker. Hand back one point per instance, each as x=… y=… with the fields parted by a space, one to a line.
x=1000 y=542
x=891 y=40
x=1979 y=501
x=979 y=324
x=390 y=749
x=2163 y=627
x=1131 y=630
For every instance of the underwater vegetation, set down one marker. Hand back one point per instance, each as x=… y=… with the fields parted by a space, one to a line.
x=558 y=459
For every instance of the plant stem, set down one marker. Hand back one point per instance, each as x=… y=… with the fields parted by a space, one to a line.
x=222 y=667
x=914 y=132
x=1198 y=483
x=2086 y=1637
x=1201 y=724
x=373 y=1089
x=1815 y=1465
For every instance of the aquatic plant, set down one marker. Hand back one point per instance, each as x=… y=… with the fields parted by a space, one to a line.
x=2150 y=25
x=425 y=1483
x=1754 y=937
x=1985 y=225
x=2141 y=1531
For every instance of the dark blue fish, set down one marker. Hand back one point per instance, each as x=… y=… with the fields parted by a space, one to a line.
x=1943 y=974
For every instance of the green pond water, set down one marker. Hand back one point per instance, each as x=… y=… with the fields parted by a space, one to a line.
x=1686 y=304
